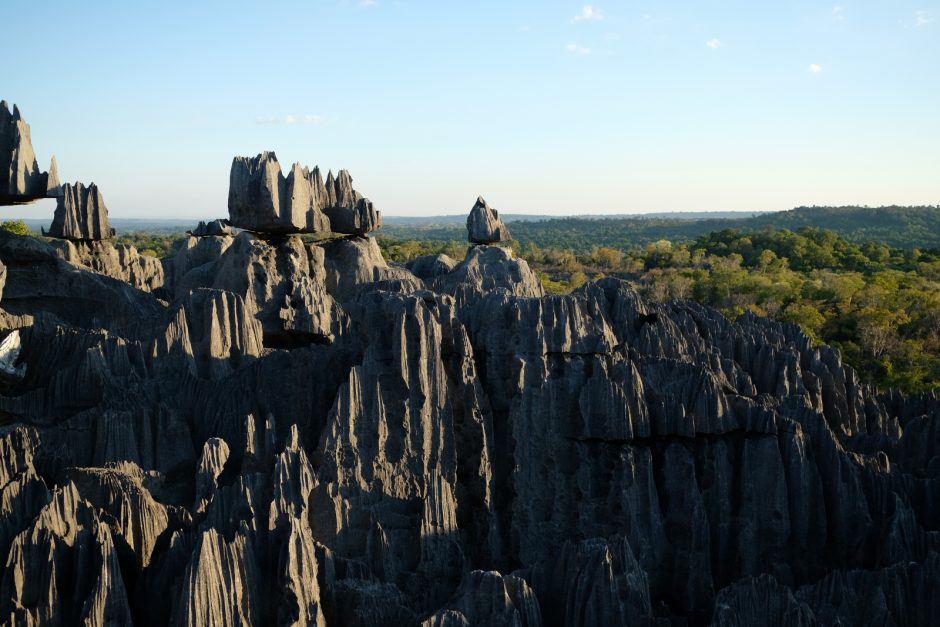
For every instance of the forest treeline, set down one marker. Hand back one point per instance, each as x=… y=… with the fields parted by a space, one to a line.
x=901 y=227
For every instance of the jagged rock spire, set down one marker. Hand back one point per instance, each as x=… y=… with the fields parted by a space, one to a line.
x=21 y=180
x=53 y=186
x=484 y=225
x=80 y=214
x=261 y=199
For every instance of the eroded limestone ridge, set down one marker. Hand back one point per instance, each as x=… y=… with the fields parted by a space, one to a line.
x=21 y=180
x=484 y=225
x=80 y=215
x=263 y=200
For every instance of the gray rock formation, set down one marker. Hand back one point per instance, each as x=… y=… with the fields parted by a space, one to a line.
x=118 y=261
x=21 y=180
x=348 y=211
x=213 y=228
x=291 y=432
x=428 y=267
x=80 y=215
x=282 y=282
x=41 y=284
x=484 y=225
x=488 y=270
x=261 y=199
x=355 y=264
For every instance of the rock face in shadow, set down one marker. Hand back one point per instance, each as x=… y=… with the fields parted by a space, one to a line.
x=297 y=432
x=262 y=199
x=484 y=225
x=118 y=261
x=427 y=267
x=80 y=215
x=21 y=180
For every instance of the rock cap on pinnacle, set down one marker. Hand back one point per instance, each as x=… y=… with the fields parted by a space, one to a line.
x=484 y=225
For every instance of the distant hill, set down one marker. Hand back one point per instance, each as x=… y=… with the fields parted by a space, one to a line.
x=901 y=227
x=461 y=218
x=130 y=225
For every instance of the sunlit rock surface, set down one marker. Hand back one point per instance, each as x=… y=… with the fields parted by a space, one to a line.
x=262 y=199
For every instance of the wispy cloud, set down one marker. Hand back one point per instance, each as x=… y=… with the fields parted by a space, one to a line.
x=290 y=120
x=713 y=43
x=589 y=13
x=576 y=49
x=815 y=68
x=838 y=13
x=920 y=19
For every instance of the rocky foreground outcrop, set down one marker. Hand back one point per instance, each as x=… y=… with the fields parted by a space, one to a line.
x=296 y=432
x=21 y=180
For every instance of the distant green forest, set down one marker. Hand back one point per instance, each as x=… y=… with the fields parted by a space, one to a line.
x=900 y=227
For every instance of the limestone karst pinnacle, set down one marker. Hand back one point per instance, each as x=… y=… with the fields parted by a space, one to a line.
x=263 y=200
x=484 y=225
x=21 y=180
x=80 y=214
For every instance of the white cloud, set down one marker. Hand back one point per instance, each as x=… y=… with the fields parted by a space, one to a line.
x=576 y=49
x=921 y=19
x=838 y=13
x=713 y=43
x=815 y=68
x=304 y=119
x=589 y=13
x=290 y=120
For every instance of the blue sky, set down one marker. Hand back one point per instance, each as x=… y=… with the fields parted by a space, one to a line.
x=542 y=107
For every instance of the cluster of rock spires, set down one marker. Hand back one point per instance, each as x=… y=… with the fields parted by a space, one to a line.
x=295 y=432
x=80 y=226
x=261 y=199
